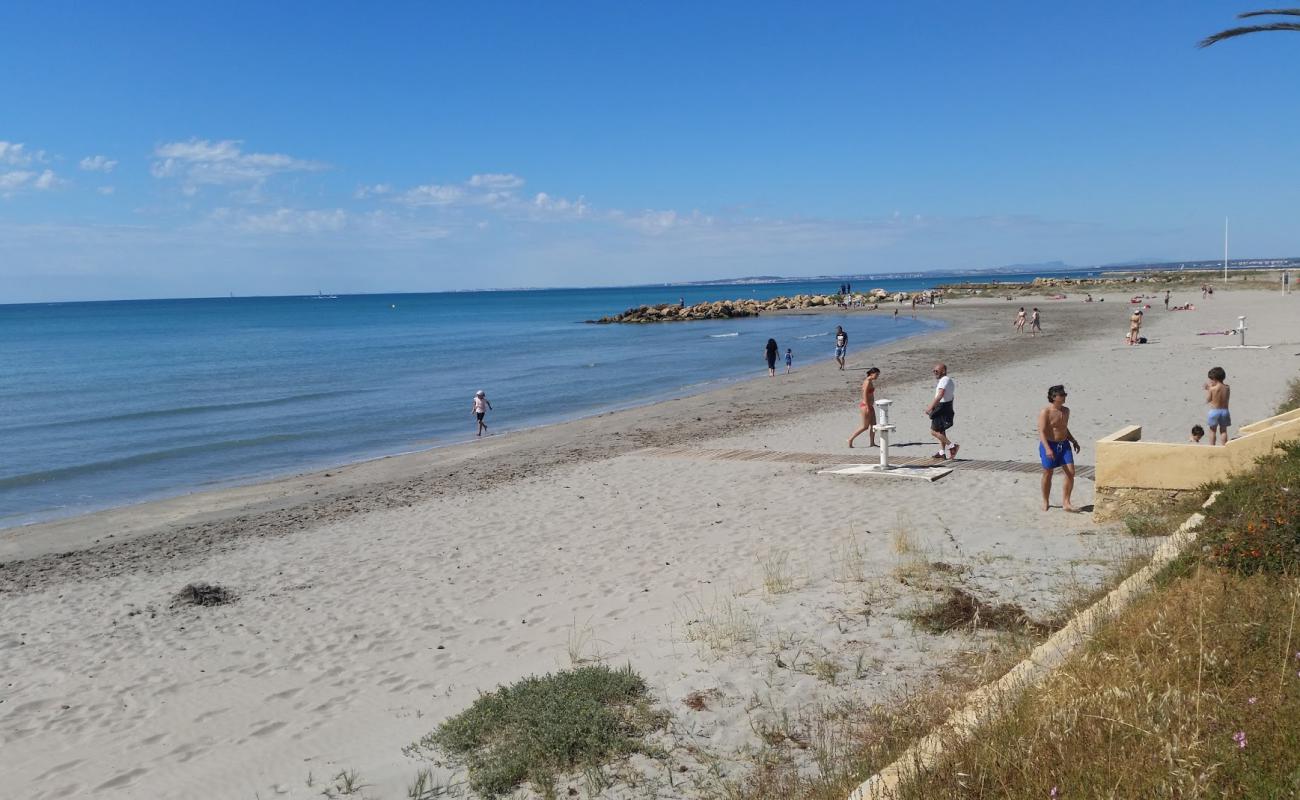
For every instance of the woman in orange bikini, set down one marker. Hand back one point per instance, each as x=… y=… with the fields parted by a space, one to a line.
x=868 y=408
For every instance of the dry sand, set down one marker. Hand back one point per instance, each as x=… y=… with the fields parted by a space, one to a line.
x=376 y=600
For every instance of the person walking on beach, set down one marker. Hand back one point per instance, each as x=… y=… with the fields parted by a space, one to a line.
x=841 y=345
x=1166 y=299
x=481 y=407
x=1134 y=326
x=1019 y=324
x=1035 y=325
x=1216 y=397
x=867 y=406
x=1054 y=443
x=770 y=353
x=940 y=411
x=789 y=360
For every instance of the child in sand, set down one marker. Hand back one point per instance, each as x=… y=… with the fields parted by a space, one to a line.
x=1197 y=433
x=1216 y=396
x=789 y=360
x=1054 y=443
x=868 y=408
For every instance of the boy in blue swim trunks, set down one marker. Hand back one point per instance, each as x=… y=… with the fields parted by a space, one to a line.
x=1054 y=445
x=1216 y=397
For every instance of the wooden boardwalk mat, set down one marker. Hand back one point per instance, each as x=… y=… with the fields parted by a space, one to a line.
x=864 y=456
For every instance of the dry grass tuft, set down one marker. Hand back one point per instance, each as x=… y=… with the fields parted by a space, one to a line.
x=961 y=610
x=203 y=594
x=777 y=575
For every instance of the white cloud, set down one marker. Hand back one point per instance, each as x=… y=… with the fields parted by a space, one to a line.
x=657 y=222
x=496 y=181
x=432 y=194
x=560 y=206
x=16 y=154
x=98 y=164
x=201 y=162
x=285 y=220
x=19 y=179
x=377 y=190
x=106 y=190
x=11 y=181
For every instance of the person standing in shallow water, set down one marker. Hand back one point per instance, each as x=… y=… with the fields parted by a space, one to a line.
x=1054 y=443
x=770 y=353
x=481 y=407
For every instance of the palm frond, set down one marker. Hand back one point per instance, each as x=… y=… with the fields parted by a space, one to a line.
x=1234 y=32
x=1272 y=12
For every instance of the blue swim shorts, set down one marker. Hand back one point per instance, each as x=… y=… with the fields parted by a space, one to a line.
x=839 y=351
x=1060 y=456
x=1218 y=418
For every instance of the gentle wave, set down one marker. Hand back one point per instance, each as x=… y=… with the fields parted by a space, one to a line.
x=158 y=413
x=43 y=476
x=814 y=335
x=723 y=335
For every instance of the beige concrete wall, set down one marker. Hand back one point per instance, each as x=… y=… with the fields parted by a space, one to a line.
x=1125 y=461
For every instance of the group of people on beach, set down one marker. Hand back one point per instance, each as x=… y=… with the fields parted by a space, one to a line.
x=940 y=410
x=1057 y=446
x=1035 y=322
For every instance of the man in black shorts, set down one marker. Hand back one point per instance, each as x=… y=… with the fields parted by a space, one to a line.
x=940 y=412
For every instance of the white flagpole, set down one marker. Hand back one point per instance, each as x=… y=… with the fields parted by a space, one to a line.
x=1225 y=249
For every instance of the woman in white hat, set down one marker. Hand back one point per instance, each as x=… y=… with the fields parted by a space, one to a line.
x=481 y=407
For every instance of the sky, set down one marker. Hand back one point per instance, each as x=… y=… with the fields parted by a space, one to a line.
x=187 y=149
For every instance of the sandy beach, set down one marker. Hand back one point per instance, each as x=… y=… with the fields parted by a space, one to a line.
x=693 y=539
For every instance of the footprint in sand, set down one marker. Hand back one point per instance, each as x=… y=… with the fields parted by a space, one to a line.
x=268 y=728
x=285 y=695
x=56 y=769
x=125 y=779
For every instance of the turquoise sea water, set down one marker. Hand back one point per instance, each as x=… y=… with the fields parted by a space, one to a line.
x=104 y=404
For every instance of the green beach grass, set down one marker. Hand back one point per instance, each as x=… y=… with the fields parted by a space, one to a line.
x=539 y=728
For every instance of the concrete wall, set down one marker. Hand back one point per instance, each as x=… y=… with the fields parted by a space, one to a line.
x=1124 y=461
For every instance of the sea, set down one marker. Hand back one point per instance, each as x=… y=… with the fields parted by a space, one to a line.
x=105 y=404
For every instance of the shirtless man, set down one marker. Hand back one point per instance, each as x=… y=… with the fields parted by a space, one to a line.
x=1035 y=324
x=1019 y=324
x=868 y=408
x=1216 y=397
x=1054 y=443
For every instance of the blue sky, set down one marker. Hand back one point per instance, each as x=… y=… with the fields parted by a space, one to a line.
x=161 y=150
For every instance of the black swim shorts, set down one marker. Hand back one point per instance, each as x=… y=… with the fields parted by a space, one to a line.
x=942 y=417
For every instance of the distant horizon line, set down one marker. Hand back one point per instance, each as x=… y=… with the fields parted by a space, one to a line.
x=1010 y=269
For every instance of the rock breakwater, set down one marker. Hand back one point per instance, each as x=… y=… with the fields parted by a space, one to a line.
x=718 y=309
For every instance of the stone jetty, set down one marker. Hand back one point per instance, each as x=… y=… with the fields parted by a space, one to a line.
x=719 y=309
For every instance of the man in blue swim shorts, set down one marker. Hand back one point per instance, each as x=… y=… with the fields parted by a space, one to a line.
x=1054 y=445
